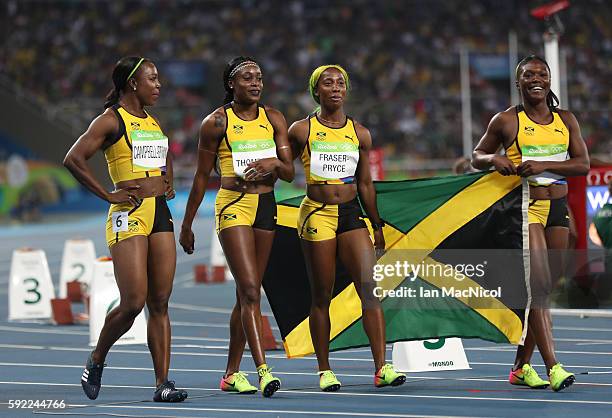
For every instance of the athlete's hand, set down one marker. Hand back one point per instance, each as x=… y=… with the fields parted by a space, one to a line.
x=530 y=168
x=169 y=192
x=258 y=170
x=503 y=165
x=124 y=195
x=379 y=242
x=187 y=239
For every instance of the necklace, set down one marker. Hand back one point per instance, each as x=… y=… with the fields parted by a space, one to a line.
x=329 y=121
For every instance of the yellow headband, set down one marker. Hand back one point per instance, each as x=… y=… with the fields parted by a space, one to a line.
x=134 y=69
x=316 y=74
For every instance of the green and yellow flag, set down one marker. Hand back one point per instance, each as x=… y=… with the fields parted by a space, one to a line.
x=455 y=265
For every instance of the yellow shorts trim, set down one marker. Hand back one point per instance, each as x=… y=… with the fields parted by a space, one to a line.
x=151 y=216
x=246 y=209
x=538 y=212
x=320 y=221
x=549 y=213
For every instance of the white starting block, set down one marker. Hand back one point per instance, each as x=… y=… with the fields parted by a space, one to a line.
x=217 y=257
x=77 y=264
x=30 y=286
x=104 y=296
x=430 y=355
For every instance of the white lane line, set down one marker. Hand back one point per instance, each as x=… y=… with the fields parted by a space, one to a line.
x=188 y=338
x=583 y=340
x=594 y=353
x=68 y=332
x=604 y=343
x=210 y=309
x=348 y=394
x=555 y=328
x=539 y=365
x=270 y=355
x=43 y=331
x=312 y=374
x=205 y=324
x=205 y=347
x=252 y=411
x=579 y=341
x=187 y=307
x=583 y=313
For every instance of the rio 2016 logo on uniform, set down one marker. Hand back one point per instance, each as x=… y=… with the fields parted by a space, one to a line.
x=238 y=129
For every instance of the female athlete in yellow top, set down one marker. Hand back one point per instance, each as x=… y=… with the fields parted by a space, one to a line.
x=543 y=144
x=334 y=150
x=139 y=229
x=250 y=141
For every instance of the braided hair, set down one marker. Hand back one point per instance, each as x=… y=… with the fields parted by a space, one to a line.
x=552 y=101
x=230 y=72
x=126 y=68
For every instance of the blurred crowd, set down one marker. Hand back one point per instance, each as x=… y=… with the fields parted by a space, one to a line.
x=402 y=57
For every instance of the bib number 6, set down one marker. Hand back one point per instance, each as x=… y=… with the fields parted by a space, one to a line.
x=120 y=221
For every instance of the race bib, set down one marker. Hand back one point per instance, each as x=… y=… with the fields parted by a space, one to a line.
x=149 y=150
x=548 y=152
x=246 y=152
x=333 y=160
x=120 y=221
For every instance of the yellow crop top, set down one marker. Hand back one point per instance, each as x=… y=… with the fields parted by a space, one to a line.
x=245 y=141
x=535 y=142
x=331 y=155
x=138 y=150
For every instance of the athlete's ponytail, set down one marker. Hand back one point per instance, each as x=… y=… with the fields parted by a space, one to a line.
x=230 y=71
x=112 y=98
x=552 y=101
x=125 y=69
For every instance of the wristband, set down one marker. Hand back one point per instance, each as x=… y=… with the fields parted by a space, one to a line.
x=378 y=225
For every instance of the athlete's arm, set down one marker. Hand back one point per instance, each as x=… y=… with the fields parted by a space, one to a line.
x=485 y=154
x=365 y=186
x=283 y=164
x=576 y=165
x=298 y=135
x=104 y=126
x=211 y=132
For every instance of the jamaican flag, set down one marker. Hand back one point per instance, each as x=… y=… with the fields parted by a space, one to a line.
x=458 y=242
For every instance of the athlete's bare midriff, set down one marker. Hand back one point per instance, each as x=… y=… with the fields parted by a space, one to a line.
x=149 y=186
x=237 y=184
x=555 y=191
x=332 y=194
